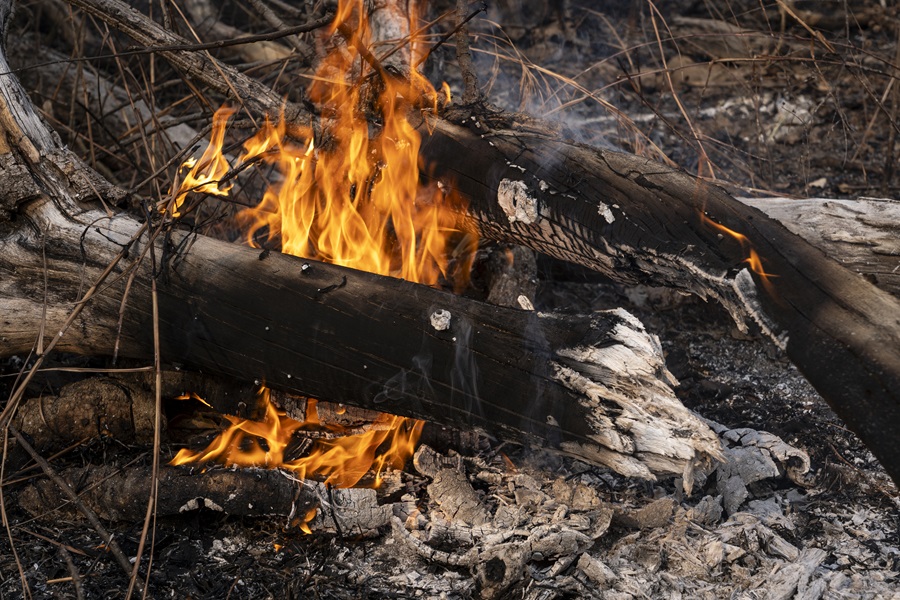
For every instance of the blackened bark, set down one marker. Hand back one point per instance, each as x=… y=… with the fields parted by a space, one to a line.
x=639 y=221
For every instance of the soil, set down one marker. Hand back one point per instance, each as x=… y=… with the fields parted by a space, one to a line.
x=768 y=118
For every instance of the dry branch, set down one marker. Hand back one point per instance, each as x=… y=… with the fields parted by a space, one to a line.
x=198 y=66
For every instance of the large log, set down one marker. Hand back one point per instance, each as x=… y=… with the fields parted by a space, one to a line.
x=595 y=386
x=861 y=234
x=639 y=221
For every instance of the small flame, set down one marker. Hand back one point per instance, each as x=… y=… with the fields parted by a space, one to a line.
x=341 y=462
x=753 y=259
x=205 y=175
x=307 y=519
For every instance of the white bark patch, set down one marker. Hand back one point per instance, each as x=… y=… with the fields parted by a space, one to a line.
x=440 y=319
x=194 y=504
x=515 y=201
x=605 y=212
x=745 y=288
x=639 y=426
x=524 y=302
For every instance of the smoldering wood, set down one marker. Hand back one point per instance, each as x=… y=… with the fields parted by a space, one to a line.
x=860 y=233
x=116 y=494
x=121 y=494
x=638 y=221
x=513 y=276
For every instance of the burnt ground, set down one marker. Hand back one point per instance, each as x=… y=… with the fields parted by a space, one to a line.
x=783 y=124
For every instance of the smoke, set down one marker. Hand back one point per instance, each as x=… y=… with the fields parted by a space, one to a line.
x=409 y=383
x=464 y=373
x=551 y=60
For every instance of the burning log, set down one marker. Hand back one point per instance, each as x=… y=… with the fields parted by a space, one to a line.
x=371 y=341
x=638 y=221
x=596 y=386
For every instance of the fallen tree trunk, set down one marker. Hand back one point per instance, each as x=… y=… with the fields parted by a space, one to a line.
x=639 y=221
x=595 y=386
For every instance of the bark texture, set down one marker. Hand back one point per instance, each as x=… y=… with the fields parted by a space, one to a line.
x=636 y=220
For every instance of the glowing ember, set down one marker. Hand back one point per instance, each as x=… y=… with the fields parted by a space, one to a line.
x=354 y=200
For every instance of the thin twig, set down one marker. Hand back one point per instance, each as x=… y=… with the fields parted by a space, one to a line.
x=889 y=165
x=471 y=93
x=449 y=34
x=26 y=591
x=73 y=572
x=40 y=341
x=705 y=166
x=67 y=490
x=272 y=19
x=199 y=47
x=150 y=517
x=20 y=474
x=350 y=36
x=70 y=549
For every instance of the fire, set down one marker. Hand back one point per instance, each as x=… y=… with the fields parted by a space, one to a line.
x=341 y=461
x=753 y=259
x=205 y=175
x=353 y=198
x=355 y=201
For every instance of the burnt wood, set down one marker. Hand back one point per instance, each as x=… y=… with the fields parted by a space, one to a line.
x=636 y=220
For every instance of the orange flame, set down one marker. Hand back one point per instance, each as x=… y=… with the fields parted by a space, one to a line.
x=353 y=199
x=356 y=201
x=341 y=462
x=753 y=259
x=205 y=175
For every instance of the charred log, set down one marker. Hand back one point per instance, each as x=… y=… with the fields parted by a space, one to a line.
x=121 y=495
x=370 y=341
x=639 y=221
